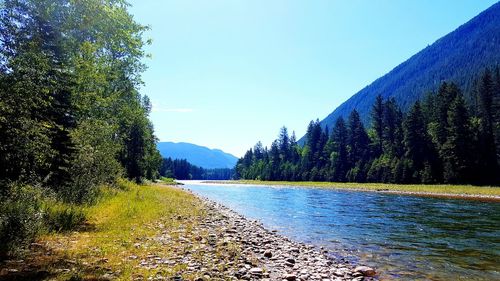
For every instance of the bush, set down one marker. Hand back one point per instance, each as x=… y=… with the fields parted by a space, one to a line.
x=94 y=163
x=20 y=218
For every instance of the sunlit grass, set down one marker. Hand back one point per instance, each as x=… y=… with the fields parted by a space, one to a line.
x=168 y=181
x=122 y=227
x=417 y=188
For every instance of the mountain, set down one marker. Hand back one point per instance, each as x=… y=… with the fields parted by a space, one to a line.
x=457 y=57
x=197 y=155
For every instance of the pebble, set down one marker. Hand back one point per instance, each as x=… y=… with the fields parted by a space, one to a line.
x=365 y=270
x=227 y=246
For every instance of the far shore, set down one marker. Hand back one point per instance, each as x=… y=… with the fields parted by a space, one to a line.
x=469 y=192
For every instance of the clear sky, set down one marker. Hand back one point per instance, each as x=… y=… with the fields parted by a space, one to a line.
x=228 y=73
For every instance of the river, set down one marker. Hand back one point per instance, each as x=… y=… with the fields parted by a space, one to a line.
x=404 y=237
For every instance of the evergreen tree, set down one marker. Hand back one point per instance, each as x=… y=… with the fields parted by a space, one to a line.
x=457 y=160
x=445 y=97
x=392 y=132
x=258 y=151
x=274 y=161
x=416 y=142
x=358 y=150
x=284 y=144
x=377 y=116
x=486 y=166
x=339 y=157
x=496 y=114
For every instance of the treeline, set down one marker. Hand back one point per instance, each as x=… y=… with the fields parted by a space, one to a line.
x=181 y=169
x=444 y=139
x=71 y=116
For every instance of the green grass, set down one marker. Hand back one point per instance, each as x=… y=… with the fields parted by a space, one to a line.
x=123 y=224
x=414 y=188
x=168 y=181
x=60 y=217
x=132 y=233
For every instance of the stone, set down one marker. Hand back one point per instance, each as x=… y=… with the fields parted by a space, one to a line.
x=365 y=270
x=256 y=271
x=268 y=254
x=291 y=277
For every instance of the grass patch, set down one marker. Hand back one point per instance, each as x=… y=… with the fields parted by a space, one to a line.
x=416 y=188
x=123 y=231
x=60 y=217
x=169 y=181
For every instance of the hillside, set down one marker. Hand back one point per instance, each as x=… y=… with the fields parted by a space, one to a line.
x=455 y=57
x=197 y=155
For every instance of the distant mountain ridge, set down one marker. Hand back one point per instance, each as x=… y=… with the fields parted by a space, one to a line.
x=197 y=155
x=457 y=57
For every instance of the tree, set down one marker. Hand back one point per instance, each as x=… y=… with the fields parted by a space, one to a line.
x=446 y=95
x=457 y=161
x=67 y=65
x=392 y=132
x=416 y=142
x=486 y=162
x=496 y=113
x=377 y=116
x=357 y=143
x=339 y=157
x=284 y=144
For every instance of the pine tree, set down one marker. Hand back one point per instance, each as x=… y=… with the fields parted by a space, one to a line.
x=377 y=116
x=457 y=160
x=284 y=144
x=415 y=141
x=392 y=134
x=339 y=157
x=446 y=95
x=486 y=165
x=496 y=114
x=358 y=150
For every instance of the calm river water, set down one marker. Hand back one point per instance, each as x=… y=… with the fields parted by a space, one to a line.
x=403 y=237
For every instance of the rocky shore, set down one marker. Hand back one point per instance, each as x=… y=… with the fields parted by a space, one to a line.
x=208 y=242
x=257 y=253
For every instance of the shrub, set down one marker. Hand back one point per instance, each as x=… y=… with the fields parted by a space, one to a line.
x=20 y=218
x=94 y=163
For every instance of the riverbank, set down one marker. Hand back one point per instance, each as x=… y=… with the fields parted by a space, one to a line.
x=487 y=193
x=160 y=232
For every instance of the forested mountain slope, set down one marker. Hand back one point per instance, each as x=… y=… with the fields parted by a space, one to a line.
x=456 y=57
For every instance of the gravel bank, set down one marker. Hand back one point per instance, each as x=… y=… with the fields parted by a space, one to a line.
x=262 y=254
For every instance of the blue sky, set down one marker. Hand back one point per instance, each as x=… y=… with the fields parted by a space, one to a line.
x=226 y=74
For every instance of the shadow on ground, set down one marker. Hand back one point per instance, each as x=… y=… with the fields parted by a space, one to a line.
x=42 y=262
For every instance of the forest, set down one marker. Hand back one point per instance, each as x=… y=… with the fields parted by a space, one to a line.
x=181 y=169
x=442 y=139
x=456 y=57
x=71 y=115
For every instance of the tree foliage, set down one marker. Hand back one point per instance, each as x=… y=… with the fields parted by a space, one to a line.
x=71 y=114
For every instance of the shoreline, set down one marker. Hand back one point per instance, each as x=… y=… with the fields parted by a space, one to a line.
x=380 y=188
x=267 y=255
x=178 y=235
